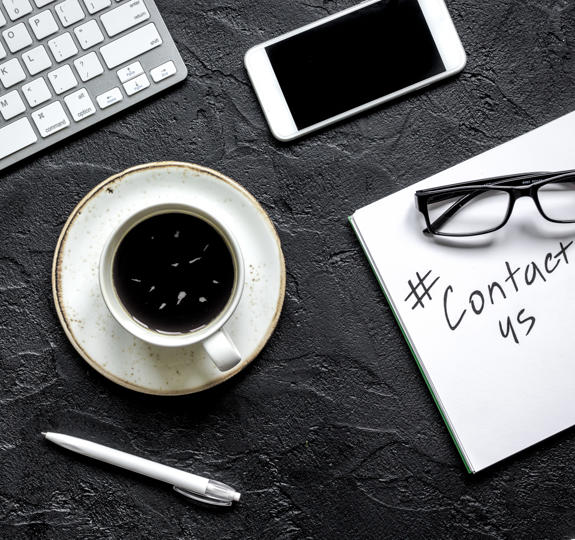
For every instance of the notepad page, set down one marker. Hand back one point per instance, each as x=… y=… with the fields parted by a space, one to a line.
x=490 y=319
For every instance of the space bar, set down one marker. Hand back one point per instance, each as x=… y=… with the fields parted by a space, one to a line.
x=134 y=44
x=16 y=136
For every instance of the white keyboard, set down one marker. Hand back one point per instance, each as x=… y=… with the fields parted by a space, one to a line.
x=65 y=65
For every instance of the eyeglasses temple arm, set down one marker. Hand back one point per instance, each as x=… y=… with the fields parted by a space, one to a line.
x=498 y=180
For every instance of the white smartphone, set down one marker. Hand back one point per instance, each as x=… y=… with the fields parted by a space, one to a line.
x=352 y=61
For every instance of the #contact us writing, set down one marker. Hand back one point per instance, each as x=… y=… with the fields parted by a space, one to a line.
x=516 y=279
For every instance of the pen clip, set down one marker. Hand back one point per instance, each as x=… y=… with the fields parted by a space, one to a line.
x=206 y=499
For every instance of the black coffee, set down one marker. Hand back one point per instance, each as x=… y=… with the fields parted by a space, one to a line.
x=174 y=273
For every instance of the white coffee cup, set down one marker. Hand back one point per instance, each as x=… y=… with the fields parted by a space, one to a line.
x=212 y=336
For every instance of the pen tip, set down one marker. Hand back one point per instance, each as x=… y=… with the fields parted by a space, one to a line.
x=237 y=496
x=44 y=433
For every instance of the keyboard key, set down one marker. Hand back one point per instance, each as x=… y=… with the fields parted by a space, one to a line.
x=17 y=8
x=2 y=52
x=93 y=6
x=17 y=37
x=63 y=47
x=16 y=136
x=11 y=73
x=136 y=85
x=80 y=105
x=50 y=119
x=88 y=66
x=163 y=72
x=62 y=79
x=69 y=12
x=89 y=34
x=11 y=105
x=42 y=3
x=109 y=98
x=129 y=72
x=36 y=92
x=37 y=60
x=43 y=24
x=126 y=16
x=2 y=20
x=131 y=45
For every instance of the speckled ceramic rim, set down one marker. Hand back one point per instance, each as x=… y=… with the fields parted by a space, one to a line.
x=58 y=255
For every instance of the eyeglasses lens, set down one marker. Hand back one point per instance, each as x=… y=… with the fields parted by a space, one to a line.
x=468 y=212
x=557 y=199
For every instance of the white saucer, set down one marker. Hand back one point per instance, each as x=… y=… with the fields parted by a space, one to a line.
x=96 y=335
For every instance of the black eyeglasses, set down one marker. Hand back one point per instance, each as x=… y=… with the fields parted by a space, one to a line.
x=483 y=206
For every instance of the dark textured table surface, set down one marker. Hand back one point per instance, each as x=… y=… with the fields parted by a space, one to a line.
x=331 y=432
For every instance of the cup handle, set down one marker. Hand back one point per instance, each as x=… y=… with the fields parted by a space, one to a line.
x=222 y=351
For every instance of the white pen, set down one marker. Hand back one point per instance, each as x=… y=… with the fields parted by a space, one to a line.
x=187 y=484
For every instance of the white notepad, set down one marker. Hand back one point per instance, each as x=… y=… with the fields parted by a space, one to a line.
x=497 y=394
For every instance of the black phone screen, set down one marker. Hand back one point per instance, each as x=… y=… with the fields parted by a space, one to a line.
x=354 y=59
